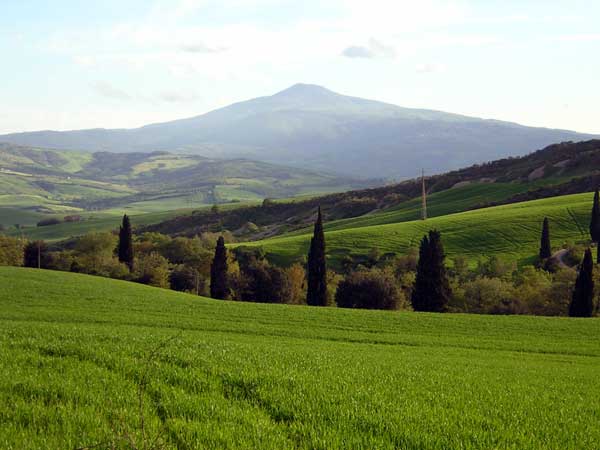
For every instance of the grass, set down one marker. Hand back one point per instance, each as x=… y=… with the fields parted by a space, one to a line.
x=233 y=375
x=98 y=222
x=511 y=232
x=438 y=204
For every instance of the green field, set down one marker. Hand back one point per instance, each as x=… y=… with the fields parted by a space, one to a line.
x=511 y=232
x=75 y=348
x=94 y=222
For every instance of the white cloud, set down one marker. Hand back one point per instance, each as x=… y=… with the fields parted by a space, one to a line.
x=582 y=37
x=178 y=96
x=431 y=68
x=373 y=49
x=107 y=90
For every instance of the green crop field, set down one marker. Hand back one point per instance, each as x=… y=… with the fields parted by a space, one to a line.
x=440 y=203
x=510 y=231
x=75 y=350
x=94 y=222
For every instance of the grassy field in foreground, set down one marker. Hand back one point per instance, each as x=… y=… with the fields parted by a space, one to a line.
x=232 y=375
x=511 y=232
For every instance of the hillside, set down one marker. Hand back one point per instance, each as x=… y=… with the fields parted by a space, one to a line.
x=511 y=232
x=312 y=127
x=559 y=169
x=68 y=182
x=235 y=375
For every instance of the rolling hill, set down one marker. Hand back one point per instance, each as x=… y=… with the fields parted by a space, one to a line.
x=511 y=232
x=312 y=127
x=42 y=181
x=559 y=169
x=86 y=358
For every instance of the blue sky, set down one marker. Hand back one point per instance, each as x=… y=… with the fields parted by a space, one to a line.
x=74 y=64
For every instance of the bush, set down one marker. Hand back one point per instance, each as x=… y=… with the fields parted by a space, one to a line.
x=94 y=254
x=494 y=267
x=185 y=279
x=11 y=251
x=262 y=282
x=370 y=289
x=574 y=255
x=48 y=222
x=486 y=295
x=294 y=290
x=153 y=269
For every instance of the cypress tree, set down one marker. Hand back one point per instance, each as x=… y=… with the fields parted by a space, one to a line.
x=317 y=269
x=125 y=249
x=582 y=303
x=35 y=255
x=432 y=290
x=545 y=247
x=421 y=285
x=219 y=283
x=595 y=221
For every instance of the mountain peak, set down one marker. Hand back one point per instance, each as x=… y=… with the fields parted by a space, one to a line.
x=305 y=90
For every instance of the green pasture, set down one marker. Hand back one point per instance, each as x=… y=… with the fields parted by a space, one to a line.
x=97 y=363
x=511 y=232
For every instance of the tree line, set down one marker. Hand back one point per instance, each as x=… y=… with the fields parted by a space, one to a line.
x=418 y=280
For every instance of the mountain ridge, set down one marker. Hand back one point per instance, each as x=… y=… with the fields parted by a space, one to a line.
x=315 y=128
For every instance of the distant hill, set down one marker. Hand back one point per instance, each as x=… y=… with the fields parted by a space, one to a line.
x=63 y=181
x=312 y=127
x=559 y=169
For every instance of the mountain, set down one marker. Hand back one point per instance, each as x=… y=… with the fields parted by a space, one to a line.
x=312 y=127
x=60 y=181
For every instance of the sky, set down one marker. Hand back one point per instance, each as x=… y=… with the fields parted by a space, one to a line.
x=72 y=64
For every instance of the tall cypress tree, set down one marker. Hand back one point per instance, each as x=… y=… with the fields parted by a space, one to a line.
x=219 y=283
x=432 y=290
x=317 y=268
x=125 y=249
x=545 y=247
x=421 y=285
x=35 y=254
x=582 y=303
x=595 y=221
x=595 y=224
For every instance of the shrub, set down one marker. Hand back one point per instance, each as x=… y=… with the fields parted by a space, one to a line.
x=262 y=283
x=48 y=222
x=494 y=267
x=11 y=251
x=486 y=295
x=370 y=289
x=294 y=289
x=185 y=279
x=153 y=269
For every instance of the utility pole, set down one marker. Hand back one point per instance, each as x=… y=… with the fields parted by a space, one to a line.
x=39 y=249
x=423 y=196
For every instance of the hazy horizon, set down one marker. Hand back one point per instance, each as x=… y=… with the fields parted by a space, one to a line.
x=106 y=65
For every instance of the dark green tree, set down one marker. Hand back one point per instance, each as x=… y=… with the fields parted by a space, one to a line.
x=595 y=224
x=35 y=255
x=317 y=268
x=219 y=280
x=582 y=303
x=431 y=290
x=125 y=249
x=595 y=221
x=545 y=247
